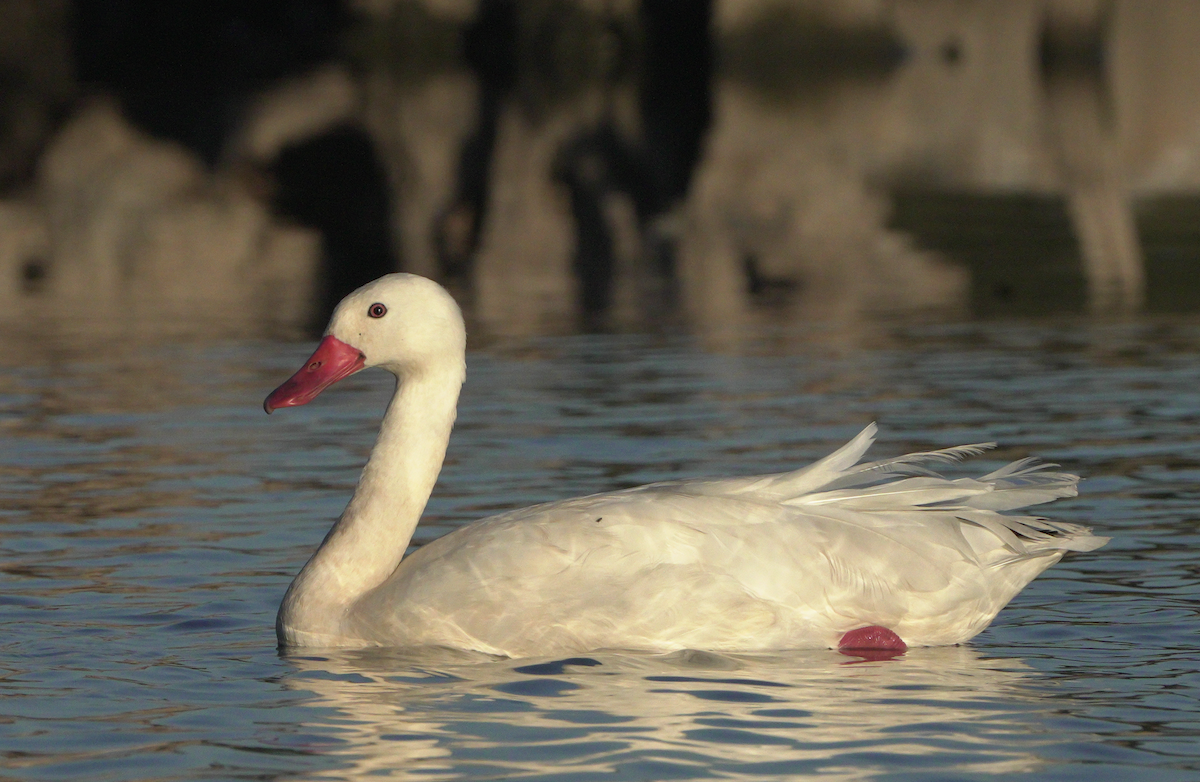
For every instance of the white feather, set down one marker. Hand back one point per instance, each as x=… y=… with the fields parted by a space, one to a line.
x=789 y=560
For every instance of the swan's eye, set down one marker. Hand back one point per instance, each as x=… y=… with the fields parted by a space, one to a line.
x=377 y=311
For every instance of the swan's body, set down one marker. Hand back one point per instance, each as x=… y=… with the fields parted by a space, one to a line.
x=793 y=560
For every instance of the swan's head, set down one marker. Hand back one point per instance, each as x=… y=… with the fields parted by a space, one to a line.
x=401 y=322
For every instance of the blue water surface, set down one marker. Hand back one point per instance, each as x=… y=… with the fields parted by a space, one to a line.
x=151 y=517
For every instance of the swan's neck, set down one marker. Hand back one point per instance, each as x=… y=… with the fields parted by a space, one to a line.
x=367 y=543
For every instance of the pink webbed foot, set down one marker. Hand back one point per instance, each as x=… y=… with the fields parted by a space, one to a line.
x=872 y=639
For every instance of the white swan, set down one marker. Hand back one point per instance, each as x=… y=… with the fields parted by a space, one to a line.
x=878 y=555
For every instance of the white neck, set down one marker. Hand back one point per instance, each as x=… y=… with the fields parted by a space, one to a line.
x=367 y=543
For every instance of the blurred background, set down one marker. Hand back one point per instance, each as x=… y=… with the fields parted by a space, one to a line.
x=598 y=164
x=691 y=237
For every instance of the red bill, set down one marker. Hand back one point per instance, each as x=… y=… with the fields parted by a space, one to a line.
x=329 y=363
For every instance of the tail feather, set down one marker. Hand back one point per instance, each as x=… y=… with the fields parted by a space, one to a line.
x=908 y=483
x=1032 y=536
x=905 y=493
x=901 y=465
x=1024 y=483
x=816 y=475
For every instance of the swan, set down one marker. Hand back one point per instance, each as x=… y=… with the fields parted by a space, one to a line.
x=883 y=555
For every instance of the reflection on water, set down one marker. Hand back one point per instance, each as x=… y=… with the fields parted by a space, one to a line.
x=628 y=163
x=151 y=518
x=670 y=716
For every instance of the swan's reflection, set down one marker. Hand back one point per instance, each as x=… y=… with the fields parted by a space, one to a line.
x=402 y=713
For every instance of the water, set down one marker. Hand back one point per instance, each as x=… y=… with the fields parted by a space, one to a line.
x=151 y=517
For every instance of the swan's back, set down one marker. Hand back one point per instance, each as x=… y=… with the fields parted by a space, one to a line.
x=778 y=561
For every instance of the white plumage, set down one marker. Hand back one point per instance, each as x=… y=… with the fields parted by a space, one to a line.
x=791 y=560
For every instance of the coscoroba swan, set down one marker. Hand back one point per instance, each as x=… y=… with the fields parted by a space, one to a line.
x=879 y=555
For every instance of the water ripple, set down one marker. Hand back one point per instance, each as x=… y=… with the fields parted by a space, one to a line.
x=151 y=518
